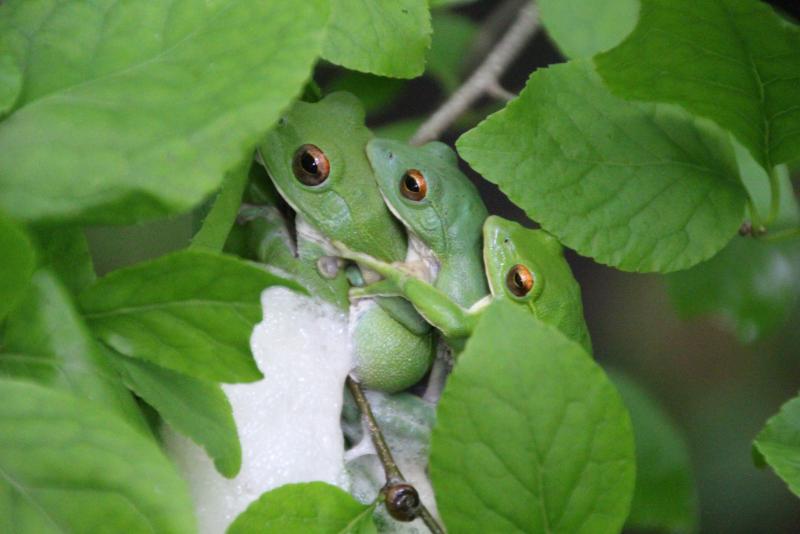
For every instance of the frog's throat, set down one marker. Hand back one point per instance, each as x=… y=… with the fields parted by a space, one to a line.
x=306 y=232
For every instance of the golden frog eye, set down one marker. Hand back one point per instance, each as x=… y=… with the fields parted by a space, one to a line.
x=519 y=280
x=413 y=185
x=310 y=165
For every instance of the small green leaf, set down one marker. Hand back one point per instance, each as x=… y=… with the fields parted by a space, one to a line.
x=779 y=443
x=580 y=32
x=753 y=284
x=383 y=38
x=134 y=110
x=191 y=311
x=47 y=342
x=65 y=251
x=452 y=35
x=218 y=222
x=197 y=408
x=530 y=435
x=635 y=186
x=374 y=92
x=303 y=508
x=16 y=266
x=665 y=496
x=446 y=3
x=66 y=465
x=733 y=61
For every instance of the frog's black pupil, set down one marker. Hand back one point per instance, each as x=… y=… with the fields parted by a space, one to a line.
x=518 y=281
x=411 y=184
x=309 y=163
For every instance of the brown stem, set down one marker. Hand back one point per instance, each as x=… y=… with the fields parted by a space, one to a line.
x=390 y=469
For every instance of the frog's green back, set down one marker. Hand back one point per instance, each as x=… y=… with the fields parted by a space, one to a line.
x=555 y=296
x=347 y=205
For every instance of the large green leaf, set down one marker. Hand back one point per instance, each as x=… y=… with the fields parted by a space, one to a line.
x=752 y=284
x=530 y=435
x=384 y=38
x=197 y=408
x=191 y=311
x=636 y=186
x=733 y=61
x=16 y=266
x=452 y=35
x=47 y=341
x=581 y=31
x=131 y=110
x=10 y=81
x=66 y=465
x=779 y=443
x=65 y=251
x=304 y=508
x=665 y=497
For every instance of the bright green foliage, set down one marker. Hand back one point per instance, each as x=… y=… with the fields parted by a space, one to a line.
x=304 y=508
x=733 y=61
x=195 y=407
x=17 y=265
x=383 y=38
x=779 y=443
x=665 y=496
x=142 y=106
x=452 y=35
x=636 y=186
x=65 y=251
x=10 y=81
x=47 y=342
x=581 y=31
x=67 y=465
x=191 y=311
x=530 y=436
x=753 y=284
x=218 y=222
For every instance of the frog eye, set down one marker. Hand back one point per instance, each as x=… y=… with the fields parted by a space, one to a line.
x=519 y=280
x=413 y=185
x=310 y=165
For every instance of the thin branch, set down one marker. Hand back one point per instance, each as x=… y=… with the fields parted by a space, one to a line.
x=484 y=79
x=390 y=469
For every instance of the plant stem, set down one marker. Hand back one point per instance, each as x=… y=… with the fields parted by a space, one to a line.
x=485 y=79
x=775 y=196
x=783 y=235
x=393 y=474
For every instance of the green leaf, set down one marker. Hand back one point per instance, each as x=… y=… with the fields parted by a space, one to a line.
x=733 y=61
x=197 y=408
x=530 y=435
x=133 y=110
x=447 y=3
x=10 y=81
x=665 y=496
x=191 y=311
x=383 y=38
x=779 y=443
x=582 y=32
x=65 y=251
x=303 y=508
x=218 y=222
x=639 y=187
x=374 y=92
x=67 y=465
x=752 y=284
x=400 y=130
x=17 y=265
x=47 y=342
x=452 y=35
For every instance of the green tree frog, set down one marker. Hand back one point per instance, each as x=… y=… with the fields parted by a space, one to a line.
x=522 y=265
x=316 y=158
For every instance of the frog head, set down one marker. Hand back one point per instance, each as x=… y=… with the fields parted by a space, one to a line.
x=528 y=267
x=316 y=158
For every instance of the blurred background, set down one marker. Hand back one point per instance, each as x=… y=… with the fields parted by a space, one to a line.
x=718 y=389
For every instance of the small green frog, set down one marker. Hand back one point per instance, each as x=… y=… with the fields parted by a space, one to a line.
x=316 y=159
